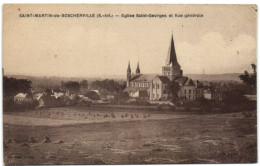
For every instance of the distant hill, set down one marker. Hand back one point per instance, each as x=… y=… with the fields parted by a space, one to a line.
x=52 y=81
x=215 y=77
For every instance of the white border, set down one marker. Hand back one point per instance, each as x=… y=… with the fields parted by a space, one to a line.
x=123 y=2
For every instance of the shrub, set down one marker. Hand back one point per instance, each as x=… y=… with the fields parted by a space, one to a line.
x=92 y=95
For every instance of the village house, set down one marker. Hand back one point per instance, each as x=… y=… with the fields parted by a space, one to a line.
x=251 y=97
x=23 y=97
x=58 y=94
x=216 y=95
x=107 y=95
x=37 y=95
x=207 y=94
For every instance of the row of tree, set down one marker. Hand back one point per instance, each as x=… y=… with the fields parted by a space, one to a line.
x=108 y=85
x=12 y=86
x=83 y=86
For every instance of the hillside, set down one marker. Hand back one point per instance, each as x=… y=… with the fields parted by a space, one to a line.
x=39 y=81
x=215 y=77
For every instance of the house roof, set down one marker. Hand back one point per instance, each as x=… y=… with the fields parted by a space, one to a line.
x=22 y=95
x=142 y=77
x=185 y=81
x=189 y=82
x=198 y=84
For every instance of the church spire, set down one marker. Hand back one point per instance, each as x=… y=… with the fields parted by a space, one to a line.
x=129 y=68
x=137 y=69
x=171 y=57
x=128 y=75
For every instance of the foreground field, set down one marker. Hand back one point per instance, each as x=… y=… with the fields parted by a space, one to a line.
x=101 y=136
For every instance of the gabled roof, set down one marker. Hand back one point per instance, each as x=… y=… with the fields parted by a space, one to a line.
x=143 y=77
x=21 y=95
x=164 y=79
x=189 y=82
x=185 y=81
x=181 y=80
x=198 y=84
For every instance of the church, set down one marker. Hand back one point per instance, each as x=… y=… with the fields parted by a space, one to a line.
x=154 y=87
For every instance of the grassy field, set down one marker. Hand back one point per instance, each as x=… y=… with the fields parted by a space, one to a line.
x=78 y=135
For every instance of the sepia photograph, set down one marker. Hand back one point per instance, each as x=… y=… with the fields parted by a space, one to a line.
x=103 y=84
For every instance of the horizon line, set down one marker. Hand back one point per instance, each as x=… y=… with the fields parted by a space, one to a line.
x=106 y=75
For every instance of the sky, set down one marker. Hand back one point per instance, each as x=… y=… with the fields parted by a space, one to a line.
x=222 y=41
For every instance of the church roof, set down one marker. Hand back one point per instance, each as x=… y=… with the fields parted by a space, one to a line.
x=181 y=80
x=142 y=77
x=171 y=57
x=164 y=79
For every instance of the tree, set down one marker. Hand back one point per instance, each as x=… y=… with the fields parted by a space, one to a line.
x=92 y=95
x=48 y=91
x=107 y=85
x=234 y=94
x=122 y=96
x=84 y=86
x=12 y=86
x=72 y=86
x=172 y=90
x=249 y=79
